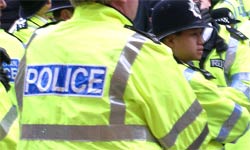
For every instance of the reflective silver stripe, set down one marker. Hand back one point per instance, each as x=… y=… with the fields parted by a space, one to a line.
x=229 y=123
x=242 y=10
x=19 y=80
x=86 y=133
x=7 y=121
x=120 y=78
x=197 y=143
x=190 y=115
x=238 y=83
x=230 y=54
x=188 y=74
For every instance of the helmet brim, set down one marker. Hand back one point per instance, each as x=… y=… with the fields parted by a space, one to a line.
x=179 y=29
x=58 y=8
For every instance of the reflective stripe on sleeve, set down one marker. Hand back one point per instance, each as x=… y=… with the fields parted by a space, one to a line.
x=237 y=79
x=86 y=133
x=238 y=83
x=190 y=115
x=230 y=54
x=120 y=78
x=7 y=121
x=229 y=123
x=188 y=74
x=197 y=143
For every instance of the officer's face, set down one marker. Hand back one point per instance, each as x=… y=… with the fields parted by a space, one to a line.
x=187 y=45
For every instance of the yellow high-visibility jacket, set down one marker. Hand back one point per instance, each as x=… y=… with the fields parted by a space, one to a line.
x=15 y=49
x=227 y=120
x=9 y=125
x=91 y=83
x=241 y=144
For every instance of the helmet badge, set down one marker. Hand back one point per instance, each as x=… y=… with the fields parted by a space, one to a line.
x=194 y=9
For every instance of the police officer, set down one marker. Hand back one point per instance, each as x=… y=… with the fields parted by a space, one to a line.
x=61 y=10
x=105 y=86
x=227 y=58
x=184 y=37
x=9 y=127
x=32 y=16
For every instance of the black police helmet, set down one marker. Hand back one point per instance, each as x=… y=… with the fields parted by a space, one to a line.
x=30 y=7
x=224 y=16
x=172 y=16
x=60 y=4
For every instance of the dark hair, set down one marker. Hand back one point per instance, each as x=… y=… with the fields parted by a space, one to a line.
x=57 y=13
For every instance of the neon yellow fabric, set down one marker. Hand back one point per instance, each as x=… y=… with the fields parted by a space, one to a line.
x=151 y=96
x=244 y=28
x=218 y=108
x=246 y=5
x=242 y=60
x=15 y=50
x=25 y=33
x=8 y=141
x=241 y=144
x=11 y=44
x=236 y=96
x=239 y=64
x=217 y=72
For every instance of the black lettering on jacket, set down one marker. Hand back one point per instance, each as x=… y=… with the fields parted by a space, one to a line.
x=219 y=63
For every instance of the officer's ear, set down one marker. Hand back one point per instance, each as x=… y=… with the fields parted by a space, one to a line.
x=65 y=14
x=169 y=41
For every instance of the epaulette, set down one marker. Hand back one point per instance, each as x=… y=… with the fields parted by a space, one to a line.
x=236 y=34
x=49 y=24
x=21 y=24
x=148 y=35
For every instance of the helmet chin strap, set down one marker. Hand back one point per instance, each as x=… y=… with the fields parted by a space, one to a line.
x=190 y=65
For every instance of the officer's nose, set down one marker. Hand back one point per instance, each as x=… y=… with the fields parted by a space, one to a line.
x=200 y=39
x=2 y=4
